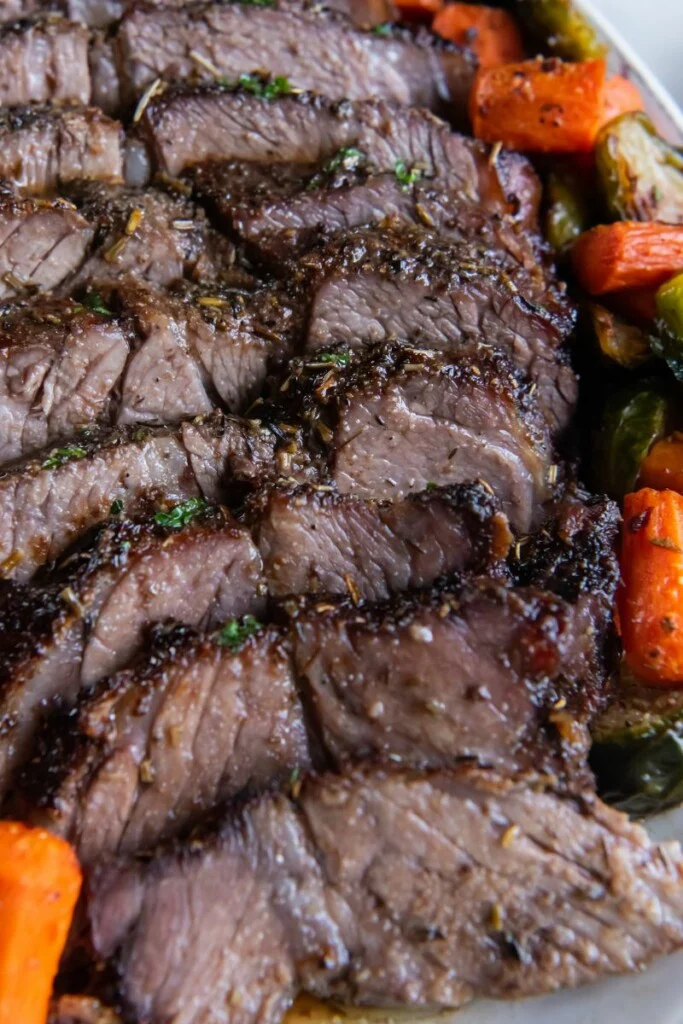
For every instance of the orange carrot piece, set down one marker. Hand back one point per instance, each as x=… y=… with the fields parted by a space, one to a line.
x=628 y=254
x=491 y=33
x=662 y=469
x=418 y=10
x=540 y=106
x=651 y=596
x=39 y=884
x=622 y=96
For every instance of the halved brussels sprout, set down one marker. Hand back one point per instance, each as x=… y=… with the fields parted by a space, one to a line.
x=567 y=212
x=640 y=173
x=561 y=28
x=618 y=341
x=667 y=342
x=632 y=421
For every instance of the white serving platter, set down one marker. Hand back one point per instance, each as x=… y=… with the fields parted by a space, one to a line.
x=656 y=995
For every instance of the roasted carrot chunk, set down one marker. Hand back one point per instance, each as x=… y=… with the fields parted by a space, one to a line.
x=541 y=106
x=490 y=32
x=622 y=96
x=637 y=305
x=39 y=884
x=662 y=469
x=627 y=254
x=651 y=597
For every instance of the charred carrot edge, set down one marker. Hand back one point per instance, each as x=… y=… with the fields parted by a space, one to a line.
x=651 y=597
x=622 y=96
x=628 y=254
x=40 y=880
x=662 y=469
x=490 y=32
x=540 y=106
x=421 y=10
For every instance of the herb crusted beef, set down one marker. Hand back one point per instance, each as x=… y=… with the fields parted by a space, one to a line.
x=90 y=617
x=316 y=49
x=388 y=889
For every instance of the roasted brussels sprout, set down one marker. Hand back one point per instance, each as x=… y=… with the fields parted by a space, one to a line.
x=567 y=212
x=667 y=341
x=560 y=28
x=641 y=174
x=638 y=749
x=618 y=341
x=633 y=420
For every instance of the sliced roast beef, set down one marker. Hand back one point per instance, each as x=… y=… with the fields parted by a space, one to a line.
x=312 y=48
x=383 y=888
x=247 y=454
x=188 y=126
x=60 y=364
x=380 y=284
x=279 y=209
x=50 y=500
x=194 y=723
x=404 y=420
x=150 y=234
x=41 y=242
x=88 y=621
x=43 y=148
x=105 y=86
x=505 y=677
x=42 y=60
x=315 y=541
x=81 y=1010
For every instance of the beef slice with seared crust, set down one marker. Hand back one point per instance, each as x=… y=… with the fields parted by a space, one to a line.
x=89 y=619
x=386 y=888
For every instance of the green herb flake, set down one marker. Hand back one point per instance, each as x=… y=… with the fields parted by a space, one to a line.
x=431 y=486
x=405 y=175
x=334 y=358
x=348 y=158
x=266 y=88
x=182 y=514
x=667 y=543
x=95 y=303
x=384 y=29
x=116 y=507
x=236 y=631
x=62 y=455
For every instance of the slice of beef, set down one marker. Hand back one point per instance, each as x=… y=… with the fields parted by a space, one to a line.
x=312 y=48
x=42 y=60
x=88 y=620
x=60 y=364
x=43 y=148
x=376 y=285
x=50 y=500
x=149 y=234
x=385 y=889
x=506 y=677
x=315 y=541
x=41 y=242
x=194 y=723
x=105 y=85
x=247 y=454
x=279 y=209
x=404 y=420
x=187 y=126
x=81 y=1010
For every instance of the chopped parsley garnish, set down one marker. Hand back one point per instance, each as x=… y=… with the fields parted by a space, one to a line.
x=62 y=455
x=267 y=88
x=407 y=176
x=385 y=29
x=335 y=358
x=236 y=631
x=347 y=159
x=431 y=486
x=116 y=507
x=182 y=514
x=95 y=303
